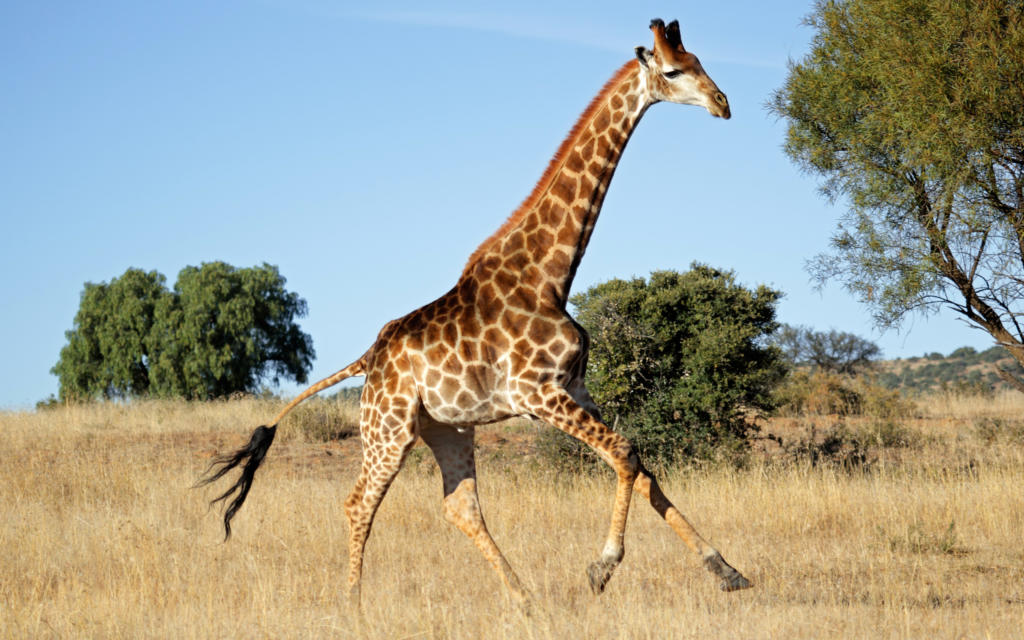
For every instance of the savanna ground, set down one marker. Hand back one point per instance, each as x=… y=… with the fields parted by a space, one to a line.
x=908 y=529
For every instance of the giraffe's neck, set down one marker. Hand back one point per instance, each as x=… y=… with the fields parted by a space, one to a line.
x=542 y=243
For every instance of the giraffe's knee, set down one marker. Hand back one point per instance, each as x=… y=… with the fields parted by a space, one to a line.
x=627 y=462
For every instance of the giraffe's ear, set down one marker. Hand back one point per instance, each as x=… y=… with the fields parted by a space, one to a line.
x=643 y=55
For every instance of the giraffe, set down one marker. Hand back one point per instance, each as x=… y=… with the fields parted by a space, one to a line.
x=501 y=344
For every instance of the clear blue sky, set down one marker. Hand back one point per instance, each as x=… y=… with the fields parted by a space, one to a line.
x=366 y=152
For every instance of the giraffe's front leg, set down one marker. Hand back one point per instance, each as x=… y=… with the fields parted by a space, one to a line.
x=554 y=405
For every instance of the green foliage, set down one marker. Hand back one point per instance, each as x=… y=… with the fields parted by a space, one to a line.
x=49 y=403
x=679 y=363
x=108 y=352
x=964 y=352
x=225 y=330
x=912 y=111
x=221 y=330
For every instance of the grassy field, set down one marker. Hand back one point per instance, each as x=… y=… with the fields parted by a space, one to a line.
x=104 y=538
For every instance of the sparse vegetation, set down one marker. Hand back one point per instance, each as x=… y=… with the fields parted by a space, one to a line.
x=992 y=430
x=820 y=393
x=915 y=534
x=919 y=539
x=965 y=371
x=326 y=419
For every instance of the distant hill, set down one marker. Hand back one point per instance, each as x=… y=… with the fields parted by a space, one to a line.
x=965 y=369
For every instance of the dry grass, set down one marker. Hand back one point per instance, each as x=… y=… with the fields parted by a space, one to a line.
x=103 y=538
x=951 y=406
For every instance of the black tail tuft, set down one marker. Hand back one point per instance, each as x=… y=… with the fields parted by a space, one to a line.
x=252 y=455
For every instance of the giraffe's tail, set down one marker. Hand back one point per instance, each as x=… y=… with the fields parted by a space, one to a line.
x=251 y=455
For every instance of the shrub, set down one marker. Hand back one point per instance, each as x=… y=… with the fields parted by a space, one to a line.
x=993 y=430
x=680 y=363
x=836 y=447
x=887 y=434
x=819 y=393
x=322 y=420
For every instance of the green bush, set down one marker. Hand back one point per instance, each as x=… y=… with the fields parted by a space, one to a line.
x=680 y=363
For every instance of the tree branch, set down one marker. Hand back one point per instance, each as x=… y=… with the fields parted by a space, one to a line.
x=1010 y=379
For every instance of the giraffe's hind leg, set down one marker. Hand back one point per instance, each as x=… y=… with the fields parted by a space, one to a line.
x=453 y=451
x=386 y=441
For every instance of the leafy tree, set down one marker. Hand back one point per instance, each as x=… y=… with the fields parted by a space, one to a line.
x=913 y=112
x=221 y=330
x=225 y=330
x=834 y=351
x=107 y=353
x=679 y=362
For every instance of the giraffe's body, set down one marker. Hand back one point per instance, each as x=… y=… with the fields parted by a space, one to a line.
x=501 y=344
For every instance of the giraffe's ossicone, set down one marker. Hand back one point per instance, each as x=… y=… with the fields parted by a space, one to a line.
x=500 y=344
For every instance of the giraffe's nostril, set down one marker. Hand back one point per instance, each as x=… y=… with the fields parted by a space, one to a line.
x=720 y=99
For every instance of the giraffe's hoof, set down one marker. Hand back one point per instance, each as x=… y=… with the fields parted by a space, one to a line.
x=599 y=573
x=353 y=598
x=732 y=580
x=735 y=582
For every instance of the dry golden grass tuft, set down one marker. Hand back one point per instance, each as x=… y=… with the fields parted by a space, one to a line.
x=103 y=537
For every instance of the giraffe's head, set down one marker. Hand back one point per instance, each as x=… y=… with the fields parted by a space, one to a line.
x=675 y=75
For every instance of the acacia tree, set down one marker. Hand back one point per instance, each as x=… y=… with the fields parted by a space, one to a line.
x=913 y=113
x=834 y=351
x=221 y=330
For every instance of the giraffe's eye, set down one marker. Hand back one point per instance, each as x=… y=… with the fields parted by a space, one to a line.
x=674 y=73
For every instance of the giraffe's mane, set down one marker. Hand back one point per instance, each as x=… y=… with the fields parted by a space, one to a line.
x=553 y=166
